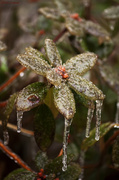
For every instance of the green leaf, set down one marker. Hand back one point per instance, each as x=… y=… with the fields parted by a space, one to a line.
x=64 y=101
x=115 y=153
x=3 y=47
x=111 y=13
x=104 y=128
x=72 y=173
x=41 y=160
x=85 y=88
x=34 y=60
x=81 y=63
x=31 y=96
x=55 y=165
x=52 y=53
x=21 y=174
x=53 y=77
x=50 y=13
x=44 y=127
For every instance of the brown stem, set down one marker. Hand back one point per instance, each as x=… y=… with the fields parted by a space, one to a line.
x=15 y=157
x=3 y=104
x=60 y=35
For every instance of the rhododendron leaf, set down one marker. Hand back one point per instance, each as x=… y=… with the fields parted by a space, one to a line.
x=50 y=13
x=53 y=77
x=44 y=127
x=31 y=96
x=85 y=88
x=81 y=63
x=111 y=13
x=52 y=53
x=3 y=47
x=64 y=101
x=63 y=5
x=41 y=160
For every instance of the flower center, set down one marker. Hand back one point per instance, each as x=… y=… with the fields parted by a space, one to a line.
x=76 y=16
x=62 y=71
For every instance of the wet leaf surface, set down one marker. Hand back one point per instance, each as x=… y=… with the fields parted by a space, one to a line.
x=50 y=13
x=44 y=127
x=31 y=96
x=3 y=47
x=111 y=13
x=104 y=129
x=41 y=160
x=64 y=101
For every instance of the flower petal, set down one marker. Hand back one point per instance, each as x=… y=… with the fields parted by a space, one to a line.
x=53 y=77
x=34 y=60
x=52 y=53
x=85 y=88
x=81 y=63
x=64 y=101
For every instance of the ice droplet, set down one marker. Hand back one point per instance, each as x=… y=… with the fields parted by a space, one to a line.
x=6 y=137
x=19 y=120
x=117 y=115
x=81 y=162
x=99 y=104
x=89 y=119
x=65 y=142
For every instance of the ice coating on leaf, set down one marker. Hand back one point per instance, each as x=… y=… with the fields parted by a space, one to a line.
x=117 y=114
x=31 y=96
x=3 y=47
x=111 y=13
x=52 y=53
x=63 y=5
x=99 y=104
x=31 y=61
x=19 y=120
x=65 y=142
x=53 y=77
x=34 y=52
x=64 y=101
x=85 y=88
x=6 y=137
x=89 y=119
x=81 y=162
x=50 y=13
x=81 y=63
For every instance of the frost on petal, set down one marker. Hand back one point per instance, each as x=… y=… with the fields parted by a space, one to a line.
x=85 y=88
x=111 y=13
x=53 y=77
x=64 y=101
x=31 y=96
x=3 y=47
x=50 y=13
x=52 y=53
x=34 y=62
x=81 y=63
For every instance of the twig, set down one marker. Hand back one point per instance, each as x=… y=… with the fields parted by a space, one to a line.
x=60 y=35
x=15 y=157
x=3 y=104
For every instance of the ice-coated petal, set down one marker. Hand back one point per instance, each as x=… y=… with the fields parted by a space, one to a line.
x=111 y=13
x=50 y=13
x=81 y=63
x=52 y=53
x=53 y=77
x=64 y=101
x=34 y=60
x=85 y=88
x=3 y=47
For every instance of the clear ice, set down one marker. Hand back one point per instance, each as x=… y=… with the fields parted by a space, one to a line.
x=99 y=104
x=6 y=137
x=117 y=115
x=19 y=120
x=81 y=162
x=89 y=119
x=65 y=142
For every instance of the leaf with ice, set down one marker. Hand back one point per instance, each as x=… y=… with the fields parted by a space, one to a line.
x=115 y=153
x=3 y=47
x=111 y=13
x=50 y=13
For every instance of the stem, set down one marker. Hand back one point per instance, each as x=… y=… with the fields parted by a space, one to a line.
x=60 y=35
x=3 y=104
x=15 y=157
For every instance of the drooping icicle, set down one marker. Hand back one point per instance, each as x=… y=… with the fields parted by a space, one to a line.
x=65 y=142
x=117 y=115
x=99 y=104
x=89 y=119
x=6 y=137
x=19 y=120
x=81 y=162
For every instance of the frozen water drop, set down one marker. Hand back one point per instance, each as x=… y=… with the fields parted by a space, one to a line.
x=81 y=162
x=19 y=120
x=117 y=115
x=6 y=137
x=89 y=119
x=99 y=104
x=65 y=142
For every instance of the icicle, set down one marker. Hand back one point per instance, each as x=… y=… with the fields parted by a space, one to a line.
x=117 y=115
x=19 y=120
x=6 y=137
x=65 y=142
x=99 y=104
x=89 y=119
x=81 y=162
